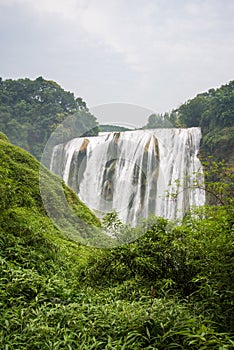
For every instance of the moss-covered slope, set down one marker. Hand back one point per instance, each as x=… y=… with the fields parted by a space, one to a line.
x=27 y=235
x=20 y=187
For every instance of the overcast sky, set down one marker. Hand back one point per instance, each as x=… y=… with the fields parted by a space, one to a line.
x=152 y=53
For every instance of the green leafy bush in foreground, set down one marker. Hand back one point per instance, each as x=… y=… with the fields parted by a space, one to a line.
x=194 y=260
x=170 y=289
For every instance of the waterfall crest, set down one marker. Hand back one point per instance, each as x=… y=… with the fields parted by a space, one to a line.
x=135 y=172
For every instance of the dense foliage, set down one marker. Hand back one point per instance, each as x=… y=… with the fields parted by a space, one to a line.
x=164 y=120
x=31 y=109
x=170 y=289
x=111 y=128
x=213 y=111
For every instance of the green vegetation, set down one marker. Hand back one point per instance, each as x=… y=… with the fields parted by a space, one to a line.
x=166 y=120
x=112 y=128
x=170 y=289
x=30 y=110
x=213 y=111
x=3 y=137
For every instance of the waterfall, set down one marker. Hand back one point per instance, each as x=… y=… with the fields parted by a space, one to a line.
x=135 y=172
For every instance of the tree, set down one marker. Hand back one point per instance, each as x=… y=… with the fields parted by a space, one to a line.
x=213 y=111
x=30 y=110
x=165 y=120
x=190 y=112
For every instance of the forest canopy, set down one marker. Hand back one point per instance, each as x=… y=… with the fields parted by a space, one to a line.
x=213 y=111
x=30 y=110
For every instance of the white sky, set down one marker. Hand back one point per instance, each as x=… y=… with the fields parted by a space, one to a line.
x=152 y=53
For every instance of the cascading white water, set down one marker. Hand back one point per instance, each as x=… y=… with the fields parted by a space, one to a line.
x=135 y=172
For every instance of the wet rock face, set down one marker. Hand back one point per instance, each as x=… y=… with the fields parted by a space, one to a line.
x=78 y=166
x=84 y=145
x=151 y=163
x=107 y=191
x=155 y=145
x=109 y=180
x=116 y=136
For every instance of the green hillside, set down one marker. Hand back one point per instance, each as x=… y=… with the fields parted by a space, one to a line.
x=171 y=289
x=213 y=111
x=30 y=110
x=28 y=235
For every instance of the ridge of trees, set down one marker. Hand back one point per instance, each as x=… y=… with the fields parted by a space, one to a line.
x=30 y=110
x=213 y=111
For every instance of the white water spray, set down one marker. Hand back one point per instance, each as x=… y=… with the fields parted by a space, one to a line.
x=135 y=172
